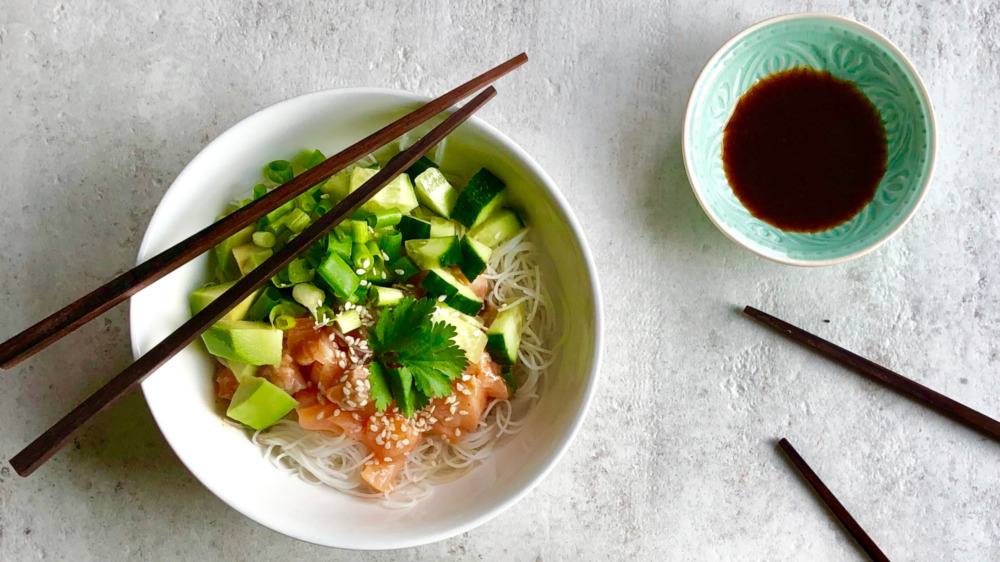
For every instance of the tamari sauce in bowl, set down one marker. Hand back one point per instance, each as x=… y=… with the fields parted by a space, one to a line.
x=809 y=139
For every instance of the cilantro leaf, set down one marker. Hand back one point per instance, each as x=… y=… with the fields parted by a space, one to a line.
x=379 y=387
x=419 y=356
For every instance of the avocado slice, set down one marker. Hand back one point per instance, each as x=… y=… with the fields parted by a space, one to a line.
x=203 y=296
x=241 y=371
x=254 y=343
x=224 y=251
x=249 y=256
x=259 y=403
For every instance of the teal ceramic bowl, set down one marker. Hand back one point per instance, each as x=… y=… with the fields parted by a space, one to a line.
x=850 y=51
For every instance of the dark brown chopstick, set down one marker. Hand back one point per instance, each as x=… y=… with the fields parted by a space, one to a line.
x=831 y=501
x=944 y=405
x=52 y=440
x=37 y=337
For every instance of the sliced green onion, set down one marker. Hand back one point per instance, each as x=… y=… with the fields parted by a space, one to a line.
x=309 y=296
x=264 y=239
x=305 y=201
x=310 y=158
x=284 y=322
x=299 y=271
x=391 y=242
x=324 y=316
x=361 y=257
x=360 y=231
x=339 y=244
x=338 y=274
x=288 y=308
x=259 y=191
x=297 y=220
x=385 y=217
x=261 y=307
x=323 y=207
x=281 y=279
x=279 y=171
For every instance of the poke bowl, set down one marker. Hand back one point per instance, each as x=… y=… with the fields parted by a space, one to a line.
x=273 y=489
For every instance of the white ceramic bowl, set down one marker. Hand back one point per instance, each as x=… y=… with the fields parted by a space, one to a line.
x=181 y=394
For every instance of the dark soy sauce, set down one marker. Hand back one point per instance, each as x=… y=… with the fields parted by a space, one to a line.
x=804 y=150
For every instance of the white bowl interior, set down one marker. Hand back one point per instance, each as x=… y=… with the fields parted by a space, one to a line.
x=181 y=394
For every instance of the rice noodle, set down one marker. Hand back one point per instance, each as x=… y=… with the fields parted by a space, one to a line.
x=336 y=461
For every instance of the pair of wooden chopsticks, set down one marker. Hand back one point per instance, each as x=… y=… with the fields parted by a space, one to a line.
x=907 y=387
x=118 y=289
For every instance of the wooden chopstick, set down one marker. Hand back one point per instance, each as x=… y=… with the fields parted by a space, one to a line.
x=47 y=444
x=831 y=501
x=912 y=389
x=37 y=337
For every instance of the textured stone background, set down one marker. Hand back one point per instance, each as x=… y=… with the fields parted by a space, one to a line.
x=103 y=103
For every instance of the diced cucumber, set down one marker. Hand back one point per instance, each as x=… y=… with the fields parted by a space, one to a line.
x=403 y=268
x=420 y=166
x=434 y=191
x=338 y=186
x=397 y=194
x=469 y=331
x=504 y=335
x=339 y=276
x=384 y=296
x=481 y=196
x=412 y=227
x=429 y=253
x=442 y=228
x=441 y=284
x=475 y=256
x=499 y=228
x=348 y=320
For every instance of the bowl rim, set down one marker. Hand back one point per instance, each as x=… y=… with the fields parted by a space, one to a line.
x=592 y=371
x=703 y=77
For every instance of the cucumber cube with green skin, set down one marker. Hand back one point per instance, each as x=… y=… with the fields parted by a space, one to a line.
x=403 y=269
x=475 y=256
x=442 y=285
x=434 y=252
x=397 y=194
x=339 y=276
x=469 y=334
x=482 y=195
x=434 y=192
x=203 y=296
x=443 y=228
x=504 y=335
x=259 y=404
x=420 y=166
x=499 y=228
x=413 y=227
x=254 y=343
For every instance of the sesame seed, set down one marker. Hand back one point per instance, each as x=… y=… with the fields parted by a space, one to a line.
x=364 y=283
x=441 y=298
x=373 y=427
x=336 y=412
x=405 y=442
x=458 y=432
x=359 y=271
x=384 y=276
x=388 y=459
x=355 y=416
x=463 y=412
x=400 y=272
x=320 y=415
x=367 y=263
x=448 y=419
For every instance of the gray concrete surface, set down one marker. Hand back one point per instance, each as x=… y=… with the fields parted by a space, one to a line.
x=103 y=103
